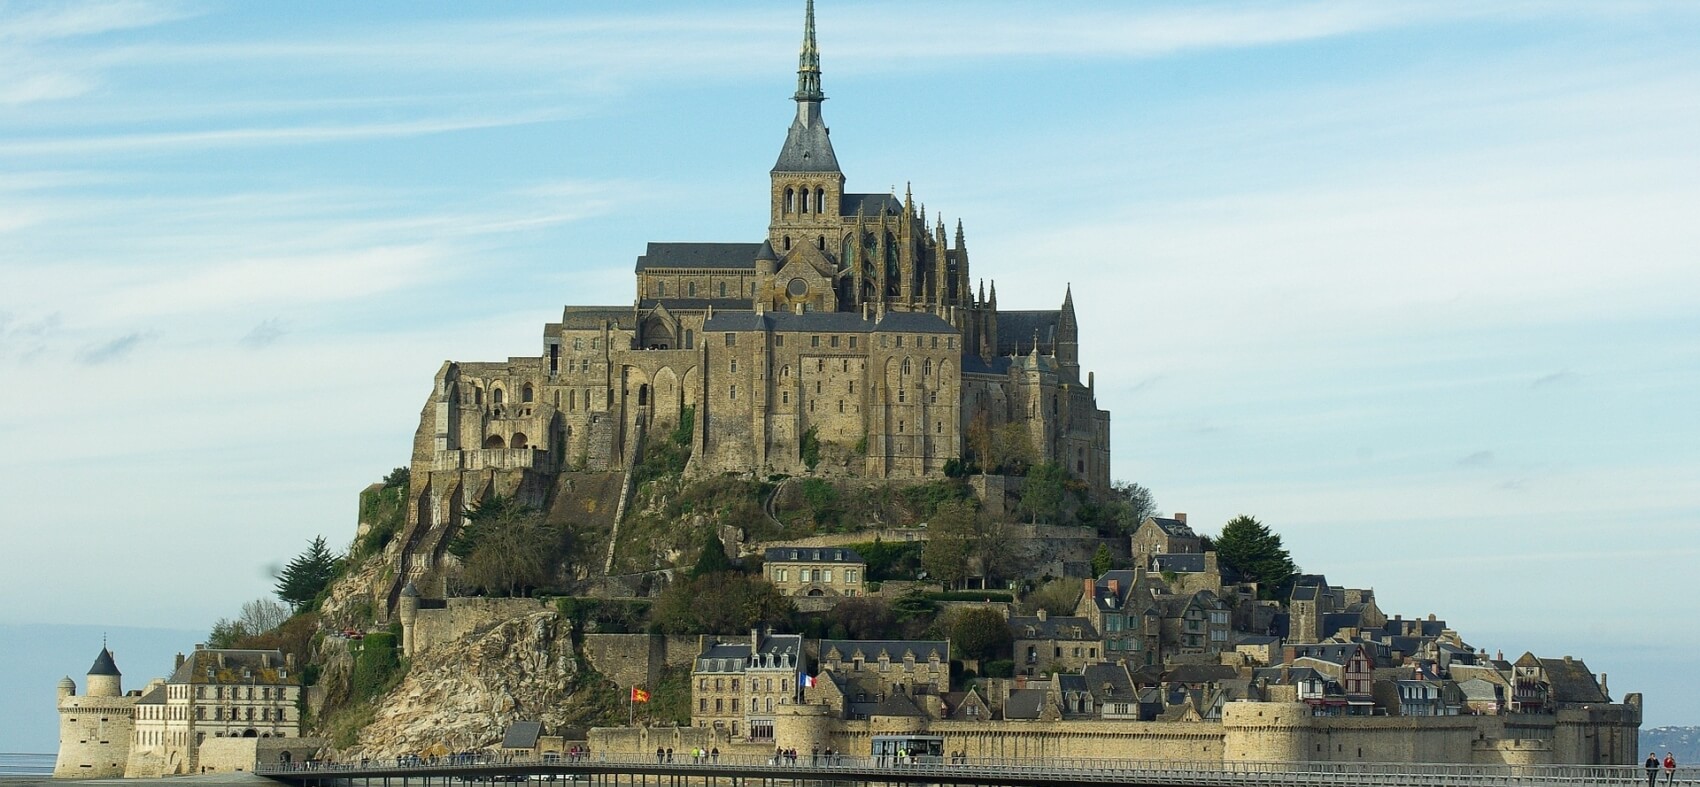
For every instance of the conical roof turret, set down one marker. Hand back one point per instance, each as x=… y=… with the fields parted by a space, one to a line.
x=103 y=664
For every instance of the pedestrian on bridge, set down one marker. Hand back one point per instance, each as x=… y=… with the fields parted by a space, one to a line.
x=1652 y=766
x=1670 y=767
x=714 y=754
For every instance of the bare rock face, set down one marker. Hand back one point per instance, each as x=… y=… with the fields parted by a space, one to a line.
x=462 y=695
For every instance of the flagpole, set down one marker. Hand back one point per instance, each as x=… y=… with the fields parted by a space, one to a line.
x=631 y=707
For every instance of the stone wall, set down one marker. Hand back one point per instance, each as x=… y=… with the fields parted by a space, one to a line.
x=461 y=617
x=637 y=659
x=239 y=755
x=94 y=736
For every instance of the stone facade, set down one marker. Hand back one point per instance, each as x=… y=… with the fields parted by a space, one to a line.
x=736 y=686
x=238 y=704
x=848 y=341
x=802 y=571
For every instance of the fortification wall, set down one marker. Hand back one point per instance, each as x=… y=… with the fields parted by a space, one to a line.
x=637 y=659
x=461 y=617
x=240 y=755
x=94 y=736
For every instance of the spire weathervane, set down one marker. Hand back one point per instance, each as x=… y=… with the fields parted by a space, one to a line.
x=808 y=61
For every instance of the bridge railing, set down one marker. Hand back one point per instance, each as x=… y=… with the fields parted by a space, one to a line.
x=1357 y=774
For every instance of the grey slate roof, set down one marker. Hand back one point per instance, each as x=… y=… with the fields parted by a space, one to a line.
x=1180 y=563
x=153 y=696
x=522 y=735
x=973 y=364
x=1571 y=681
x=728 y=256
x=1053 y=627
x=894 y=704
x=582 y=318
x=1173 y=527
x=894 y=649
x=1025 y=703
x=808 y=143
x=1017 y=328
x=693 y=304
x=103 y=664
x=233 y=666
x=724 y=657
x=869 y=204
x=812 y=555
x=1109 y=682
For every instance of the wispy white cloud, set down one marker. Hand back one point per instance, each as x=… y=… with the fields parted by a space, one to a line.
x=37 y=22
x=294 y=135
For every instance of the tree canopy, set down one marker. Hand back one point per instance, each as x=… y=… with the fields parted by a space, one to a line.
x=1042 y=493
x=720 y=603
x=712 y=559
x=301 y=582
x=507 y=548
x=979 y=633
x=1252 y=549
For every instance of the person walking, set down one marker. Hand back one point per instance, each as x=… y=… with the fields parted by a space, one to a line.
x=1670 y=767
x=661 y=755
x=714 y=754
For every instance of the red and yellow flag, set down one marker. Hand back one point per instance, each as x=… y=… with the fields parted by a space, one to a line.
x=639 y=695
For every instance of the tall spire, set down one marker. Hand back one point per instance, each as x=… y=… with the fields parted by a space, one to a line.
x=807 y=146
x=808 y=61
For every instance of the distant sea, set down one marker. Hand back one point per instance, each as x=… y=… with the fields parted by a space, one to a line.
x=26 y=764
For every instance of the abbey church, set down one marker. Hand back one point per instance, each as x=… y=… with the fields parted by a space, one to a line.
x=851 y=341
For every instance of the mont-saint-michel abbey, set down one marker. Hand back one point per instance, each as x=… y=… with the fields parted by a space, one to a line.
x=854 y=325
x=793 y=497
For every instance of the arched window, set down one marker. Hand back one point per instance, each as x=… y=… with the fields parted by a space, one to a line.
x=787 y=248
x=493 y=441
x=785 y=371
x=518 y=441
x=790 y=201
x=691 y=289
x=526 y=394
x=660 y=289
x=572 y=399
x=905 y=366
x=805 y=200
x=496 y=396
x=927 y=368
x=820 y=242
x=690 y=335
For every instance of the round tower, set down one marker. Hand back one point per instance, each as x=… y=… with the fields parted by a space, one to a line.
x=67 y=688
x=104 y=679
x=803 y=727
x=1266 y=732
x=408 y=610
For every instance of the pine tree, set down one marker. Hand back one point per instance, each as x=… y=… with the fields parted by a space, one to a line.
x=306 y=576
x=1251 y=548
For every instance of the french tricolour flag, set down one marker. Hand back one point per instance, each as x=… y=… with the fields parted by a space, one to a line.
x=805 y=680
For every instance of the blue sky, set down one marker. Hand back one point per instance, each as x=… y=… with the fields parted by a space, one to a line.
x=1414 y=283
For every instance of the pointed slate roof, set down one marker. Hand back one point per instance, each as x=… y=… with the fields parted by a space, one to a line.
x=103 y=664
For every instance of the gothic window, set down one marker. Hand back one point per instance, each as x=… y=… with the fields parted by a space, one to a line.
x=820 y=200
x=805 y=200
x=927 y=368
x=790 y=201
x=906 y=367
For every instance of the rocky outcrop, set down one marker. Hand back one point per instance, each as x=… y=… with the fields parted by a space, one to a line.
x=463 y=694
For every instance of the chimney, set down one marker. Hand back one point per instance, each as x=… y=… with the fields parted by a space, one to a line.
x=1288 y=654
x=1042 y=614
x=1091 y=588
x=1567 y=660
x=1116 y=588
x=1604 y=689
x=1179 y=517
x=179 y=661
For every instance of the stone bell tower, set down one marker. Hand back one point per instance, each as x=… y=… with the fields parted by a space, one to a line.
x=806 y=186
